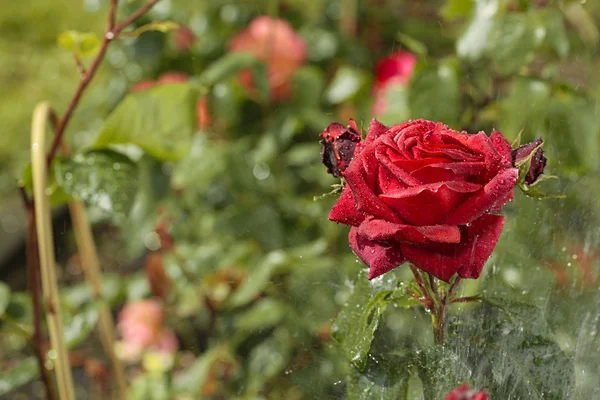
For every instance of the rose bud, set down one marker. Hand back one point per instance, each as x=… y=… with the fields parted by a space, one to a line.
x=393 y=70
x=424 y=193
x=274 y=42
x=338 y=145
x=465 y=393
x=538 y=161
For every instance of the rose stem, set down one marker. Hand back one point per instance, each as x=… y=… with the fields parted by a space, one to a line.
x=438 y=314
x=34 y=287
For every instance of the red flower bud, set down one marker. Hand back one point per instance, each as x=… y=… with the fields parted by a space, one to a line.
x=465 y=393
x=538 y=161
x=338 y=145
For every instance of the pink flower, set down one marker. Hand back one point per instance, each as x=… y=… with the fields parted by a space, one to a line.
x=141 y=327
x=465 y=393
x=274 y=42
x=393 y=70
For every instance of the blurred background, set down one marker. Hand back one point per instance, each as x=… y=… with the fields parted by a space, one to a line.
x=212 y=227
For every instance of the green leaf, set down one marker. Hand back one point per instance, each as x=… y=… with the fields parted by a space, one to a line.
x=192 y=379
x=105 y=179
x=434 y=93
x=556 y=31
x=160 y=26
x=355 y=325
x=412 y=44
x=160 y=120
x=346 y=83
x=20 y=309
x=82 y=44
x=385 y=379
x=56 y=195
x=20 y=374
x=505 y=347
x=263 y=314
x=88 y=44
x=269 y=359
x=307 y=87
x=226 y=67
x=257 y=280
x=455 y=9
x=81 y=325
x=4 y=297
x=514 y=41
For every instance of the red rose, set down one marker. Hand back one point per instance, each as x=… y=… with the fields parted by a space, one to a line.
x=465 y=393
x=424 y=193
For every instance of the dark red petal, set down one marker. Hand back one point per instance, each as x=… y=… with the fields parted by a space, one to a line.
x=376 y=129
x=502 y=146
x=400 y=174
x=344 y=210
x=479 y=143
x=467 y=258
x=491 y=196
x=428 y=204
x=448 y=170
x=365 y=200
x=376 y=229
x=380 y=257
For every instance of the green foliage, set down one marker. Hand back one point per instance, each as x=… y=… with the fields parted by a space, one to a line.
x=99 y=178
x=434 y=92
x=4 y=297
x=160 y=121
x=81 y=44
x=359 y=318
x=505 y=350
x=13 y=377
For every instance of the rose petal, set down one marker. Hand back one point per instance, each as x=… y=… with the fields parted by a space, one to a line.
x=428 y=204
x=447 y=171
x=379 y=257
x=376 y=229
x=502 y=146
x=344 y=210
x=376 y=129
x=365 y=200
x=491 y=196
x=398 y=172
x=467 y=258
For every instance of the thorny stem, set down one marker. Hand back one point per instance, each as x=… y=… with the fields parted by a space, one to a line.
x=112 y=31
x=436 y=301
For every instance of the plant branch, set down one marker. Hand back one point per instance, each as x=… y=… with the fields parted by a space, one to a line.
x=112 y=31
x=465 y=299
x=34 y=287
x=64 y=378
x=125 y=23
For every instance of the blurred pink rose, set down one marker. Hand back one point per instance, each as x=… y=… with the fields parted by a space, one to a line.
x=393 y=70
x=274 y=42
x=184 y=39
x=140 y=324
